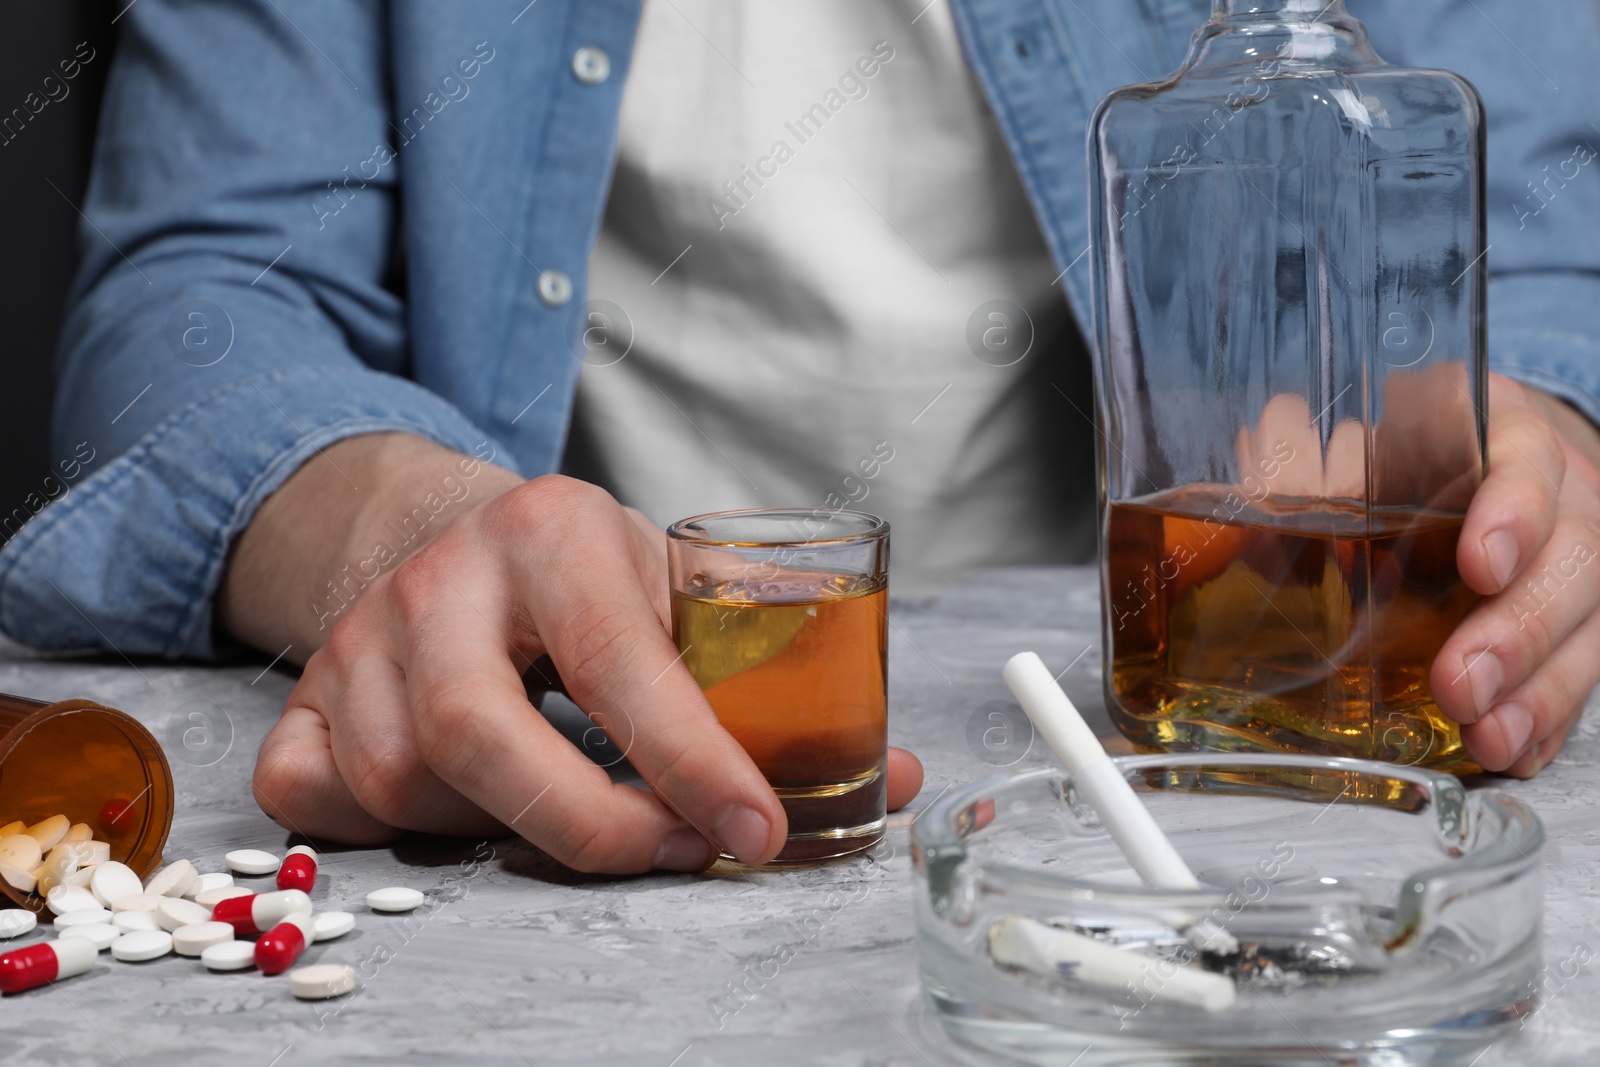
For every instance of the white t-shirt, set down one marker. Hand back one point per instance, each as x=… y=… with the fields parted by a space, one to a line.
x=811 y=214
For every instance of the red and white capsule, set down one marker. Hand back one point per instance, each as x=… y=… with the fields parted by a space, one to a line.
x=37 y=965
x=298 y=870
x=280 y=946
x=260 y=912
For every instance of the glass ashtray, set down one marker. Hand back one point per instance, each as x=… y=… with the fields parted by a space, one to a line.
x=1382 y=915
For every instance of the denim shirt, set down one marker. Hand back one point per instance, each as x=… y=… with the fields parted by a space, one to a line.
x=311 y=219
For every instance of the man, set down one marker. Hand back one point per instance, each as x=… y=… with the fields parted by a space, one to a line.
x=334 y=310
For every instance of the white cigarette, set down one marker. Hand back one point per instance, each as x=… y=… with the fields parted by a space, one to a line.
x=1046 y=950
x=1121 y=812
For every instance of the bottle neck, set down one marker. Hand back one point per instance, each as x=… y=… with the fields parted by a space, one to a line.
x=1277 y=10
x=1296 y=36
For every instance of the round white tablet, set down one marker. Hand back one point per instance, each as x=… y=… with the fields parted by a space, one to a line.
x=137 y=902
x=102 y=934
x=194 y=940
x=49 y=832
x=14 y=922
x=129 y=921
x=251 y=861
x=86 y=917
x=207 y=882
x=174 y=912
x=65 y=898
x=327 y=925
x=113 y=881
x=141 y=945
x=229 y=956
x=322 y=981
x=211 y=897
x=173 y=880
x=395 y=898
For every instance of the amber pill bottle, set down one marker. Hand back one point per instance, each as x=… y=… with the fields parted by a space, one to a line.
x=94 y=765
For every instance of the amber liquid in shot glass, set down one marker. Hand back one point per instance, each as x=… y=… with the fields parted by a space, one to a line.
x=792 y=658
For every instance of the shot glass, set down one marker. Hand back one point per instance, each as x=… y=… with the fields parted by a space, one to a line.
x=781 y=615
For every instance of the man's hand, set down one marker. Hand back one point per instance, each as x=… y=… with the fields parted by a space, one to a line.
x=412 y=713
x=1518 y=669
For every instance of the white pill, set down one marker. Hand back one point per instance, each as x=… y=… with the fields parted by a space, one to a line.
x=102 y=934
x=194 y=939
x=251 y=861
x=137 y=902
x=82 y=877
x=141 y=945
x=78 y=832
x=322 y=981
x=229 y=955
x=14 y=922
x=173 y=880
x=65 y=898
x=61 y=863
x=13 y=828
x=395 y=898
x=174 y=912
x=112 y=881
x=130 y=921
x=92 y=852
x=49 y=832
x=206 y=882
x=22 y=880
x=86 y=917
x=327 y=925
x=212 y=897
x=20 y=850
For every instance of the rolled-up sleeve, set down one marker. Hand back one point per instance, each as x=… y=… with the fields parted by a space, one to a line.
x=1536 y=64
x=236 y=313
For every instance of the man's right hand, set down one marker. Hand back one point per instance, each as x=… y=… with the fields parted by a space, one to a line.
x=412 y=715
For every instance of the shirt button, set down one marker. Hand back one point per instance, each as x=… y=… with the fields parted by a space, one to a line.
x=555 y=288
x=590 y=65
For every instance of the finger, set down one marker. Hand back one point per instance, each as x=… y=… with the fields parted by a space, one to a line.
x=1542 y=707
x=620 y=665
x=1538 y=758
x=299 y=787
x=1514 y=512
x=477 y=731
x=904 y=772
x=1506 y=638
x=375 y=746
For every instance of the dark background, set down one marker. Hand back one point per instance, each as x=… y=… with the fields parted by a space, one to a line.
x=39 y=248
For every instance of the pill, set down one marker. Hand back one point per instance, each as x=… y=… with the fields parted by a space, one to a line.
x=83 y=918
x=322 y=981
x=49 y=961
x=174 y=912
x=280 y=946
x=129 y=921
x=18 y=878
x=250 y=861
x=15 y=922
x=395 y=898
x=20 y=850
x=194 y=939
x=49 y=832
x=173 y=880
x=112 y=881
x=299 y=869
x=93 y=852
x=102 y=934
x=327 y=925
x=141 y=945
x=260 y=912
x=76 y=833
x=205 y=882
x=212 y=897
x=137 y=902
x=13 y=828
x=82 y=878
x=62 y=862
x=229 y=956
x=65 y=898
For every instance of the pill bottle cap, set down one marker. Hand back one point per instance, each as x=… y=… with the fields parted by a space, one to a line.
x=91 y=763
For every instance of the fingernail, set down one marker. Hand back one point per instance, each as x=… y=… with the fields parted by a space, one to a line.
x=743 y=832
x=1485 y=677
x=1501 y=548
x=1516 y=726
x=684 y=850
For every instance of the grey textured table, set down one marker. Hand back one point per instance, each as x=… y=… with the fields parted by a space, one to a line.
x=515 y=961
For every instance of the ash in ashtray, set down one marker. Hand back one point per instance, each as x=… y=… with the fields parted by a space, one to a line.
x=1284 y=966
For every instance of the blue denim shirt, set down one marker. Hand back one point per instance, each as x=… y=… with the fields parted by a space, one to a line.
x=311 y=219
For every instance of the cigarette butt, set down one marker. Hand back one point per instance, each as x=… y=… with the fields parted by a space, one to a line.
x=1054 y=953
